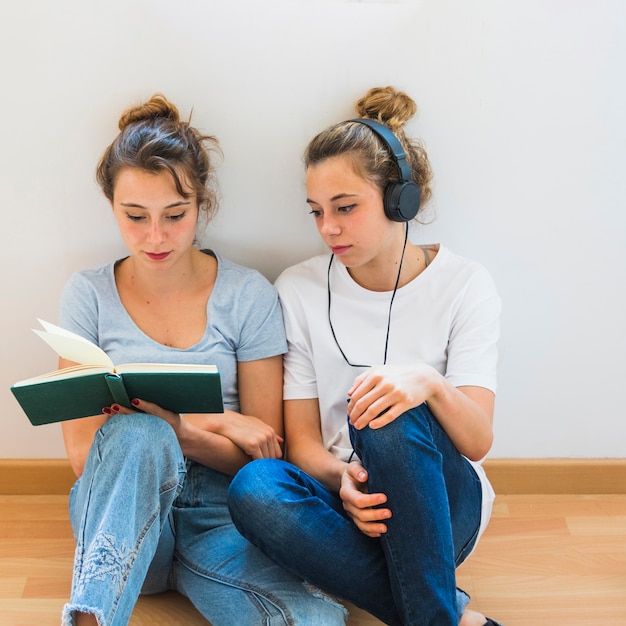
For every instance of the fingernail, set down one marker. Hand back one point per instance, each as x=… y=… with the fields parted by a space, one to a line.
x=107 y=410
x=135 y=402
x=116 y=407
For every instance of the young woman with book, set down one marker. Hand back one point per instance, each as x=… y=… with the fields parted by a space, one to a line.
x=389 y=388
x=149 y=508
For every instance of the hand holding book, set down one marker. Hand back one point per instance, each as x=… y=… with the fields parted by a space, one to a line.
x=83 y=390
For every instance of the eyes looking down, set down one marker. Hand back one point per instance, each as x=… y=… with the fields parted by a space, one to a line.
x=153 y=217
x=334 y=190
x=349 y=214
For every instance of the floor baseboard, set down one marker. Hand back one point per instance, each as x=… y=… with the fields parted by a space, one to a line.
x=508 y=476
x=35 y=477
x=576 y=476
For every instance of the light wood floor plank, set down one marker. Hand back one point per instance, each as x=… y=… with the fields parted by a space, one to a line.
x=544 y=560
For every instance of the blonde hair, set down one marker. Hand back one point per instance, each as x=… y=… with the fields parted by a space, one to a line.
x=371 y=158
x=154 y=139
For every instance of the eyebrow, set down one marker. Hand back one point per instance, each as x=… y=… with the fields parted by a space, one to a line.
x=174 y=205
x=339 y=196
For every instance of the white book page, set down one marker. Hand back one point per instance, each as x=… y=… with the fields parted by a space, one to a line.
x=64 y=374
x=73 y=347
x=164 y=367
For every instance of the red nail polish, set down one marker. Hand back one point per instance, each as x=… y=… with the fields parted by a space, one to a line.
x=116 y=407
x=135 y=402
x=107 y=410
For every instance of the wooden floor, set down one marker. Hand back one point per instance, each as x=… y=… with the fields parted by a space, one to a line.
x=553 y=560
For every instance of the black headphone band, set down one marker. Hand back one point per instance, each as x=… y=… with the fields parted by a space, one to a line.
x=392 y=143
x=401 y=200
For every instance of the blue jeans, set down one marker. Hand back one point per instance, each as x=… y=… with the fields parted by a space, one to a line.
x=146 y=521
x=408 y=575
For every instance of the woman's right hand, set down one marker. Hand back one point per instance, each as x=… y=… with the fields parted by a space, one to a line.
x=359 y=503
x=256 y=438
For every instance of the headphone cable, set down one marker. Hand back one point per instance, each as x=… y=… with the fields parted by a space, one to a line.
x=393 y=295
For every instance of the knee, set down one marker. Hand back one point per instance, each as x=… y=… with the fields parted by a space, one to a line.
x=136 y=426
x=251 y=491
x=141 y=435
x=251 y=481
x=414 y=425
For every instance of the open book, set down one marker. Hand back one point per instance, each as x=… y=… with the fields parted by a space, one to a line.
x=83 y=390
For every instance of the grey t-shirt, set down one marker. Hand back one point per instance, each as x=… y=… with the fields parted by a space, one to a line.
x=244 y=323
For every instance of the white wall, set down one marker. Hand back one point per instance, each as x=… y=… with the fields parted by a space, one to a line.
x=522 y=109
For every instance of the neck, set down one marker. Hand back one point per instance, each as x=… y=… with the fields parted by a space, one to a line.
x=161 y=283
x=387 y=272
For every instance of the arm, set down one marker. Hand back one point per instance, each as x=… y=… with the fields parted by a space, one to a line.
x=305 y=449
x=465 y=413
x=304 y=443
x=78 y=435
x=227 y=441
x=257 y=431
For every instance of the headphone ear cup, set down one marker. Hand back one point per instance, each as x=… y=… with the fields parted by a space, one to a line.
x=402 y=201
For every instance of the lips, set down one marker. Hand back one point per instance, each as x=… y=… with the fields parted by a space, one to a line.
x=157 y=256
x=338 y=250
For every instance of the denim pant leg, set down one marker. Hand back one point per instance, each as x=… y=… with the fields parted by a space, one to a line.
x=133 y=473
x=301 y=525
x=435 y=498
x=228 y=579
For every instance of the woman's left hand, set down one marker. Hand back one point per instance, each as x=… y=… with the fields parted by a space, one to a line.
x=384 y=392
x=366 y=509
x=173 y=419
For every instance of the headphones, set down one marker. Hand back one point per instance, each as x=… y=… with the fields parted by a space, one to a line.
x=401 y=200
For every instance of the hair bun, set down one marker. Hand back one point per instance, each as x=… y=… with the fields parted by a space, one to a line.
x=157 y=107
x=388 y=106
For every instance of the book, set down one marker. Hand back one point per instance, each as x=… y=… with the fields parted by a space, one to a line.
x=83 y=390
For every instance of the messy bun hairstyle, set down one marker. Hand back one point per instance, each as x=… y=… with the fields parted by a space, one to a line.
x=154 y=139
x=371 y=158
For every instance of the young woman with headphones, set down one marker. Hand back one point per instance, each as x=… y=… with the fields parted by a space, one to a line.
x=389 y=389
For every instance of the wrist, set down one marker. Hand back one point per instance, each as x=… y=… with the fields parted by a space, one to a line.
x=185 y=433
x=435 y=384
x=213 y=423
x=194 y=441
x=339 y=472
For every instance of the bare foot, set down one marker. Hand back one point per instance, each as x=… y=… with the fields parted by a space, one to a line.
x=472 y=618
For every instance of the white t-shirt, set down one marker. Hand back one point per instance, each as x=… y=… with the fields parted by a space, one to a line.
x=447 y=317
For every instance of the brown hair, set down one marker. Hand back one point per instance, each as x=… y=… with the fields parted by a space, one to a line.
x=371 y=158
x=153 y=138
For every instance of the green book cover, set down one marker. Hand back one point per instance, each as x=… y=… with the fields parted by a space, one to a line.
x=84 y=390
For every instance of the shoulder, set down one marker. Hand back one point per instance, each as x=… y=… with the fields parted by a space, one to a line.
x=98 y=280
x=84 y=296
x=238 y=275
x=467 y=287
x=240 y=289
x=311 y=272
x=458 y=268
x=246 y=305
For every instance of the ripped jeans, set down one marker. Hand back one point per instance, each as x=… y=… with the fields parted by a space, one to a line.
x=146 y=521
x=406 y=577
